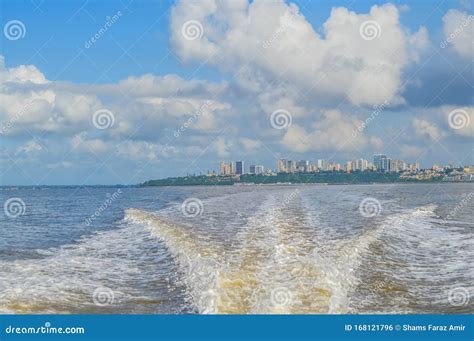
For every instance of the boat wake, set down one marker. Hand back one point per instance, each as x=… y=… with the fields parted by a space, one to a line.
x=276 y=254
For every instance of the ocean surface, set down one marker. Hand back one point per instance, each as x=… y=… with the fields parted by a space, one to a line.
x=401 y=248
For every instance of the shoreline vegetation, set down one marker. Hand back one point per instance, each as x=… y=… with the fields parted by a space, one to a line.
x=330 y=178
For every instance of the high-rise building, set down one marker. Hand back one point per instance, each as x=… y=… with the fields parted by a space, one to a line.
x=222 y=168
x=397 y=165
x=256 y=169
x=302 y=166
x=348 y=167
x=291 y=166
x=225 y=168
x=239 y=167
x=282 y=166
x=360 y=165
x=330 y=166
x=381 y=162
x=320 y=164
x=393 y=165
x=415 y=166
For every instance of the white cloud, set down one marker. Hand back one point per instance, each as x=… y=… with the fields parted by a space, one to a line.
x=424 y=128
x=338 y=64
x=30 y=103
x=28 y=100
x=333 y=132
x=21 y=74
x=458 y=30
x=250 y=145
x=82 y=143
x=222 y=147
x=31 y=146
x=376 y=143
x=145 y=151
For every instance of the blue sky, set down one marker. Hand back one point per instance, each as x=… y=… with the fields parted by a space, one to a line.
x=250 y=61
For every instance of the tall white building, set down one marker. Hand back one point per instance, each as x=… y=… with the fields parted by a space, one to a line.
x=320 y=164
x=282 y=166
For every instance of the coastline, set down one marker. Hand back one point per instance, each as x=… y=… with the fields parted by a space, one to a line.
x=288 y=179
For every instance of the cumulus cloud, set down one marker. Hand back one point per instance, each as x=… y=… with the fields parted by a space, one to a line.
x=458 y=29
x=333 y=132
x=145 y=151
x=29 y=102
x=83 y=143
x=250 y=145
x=425 y=128
x=255 y=41
x=30 y=147
x=222 y=147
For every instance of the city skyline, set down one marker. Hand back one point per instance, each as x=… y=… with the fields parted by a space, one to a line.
x=381 y=162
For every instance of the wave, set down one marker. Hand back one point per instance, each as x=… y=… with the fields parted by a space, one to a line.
x=199 y=262
x=64 y=279
x=413 y=262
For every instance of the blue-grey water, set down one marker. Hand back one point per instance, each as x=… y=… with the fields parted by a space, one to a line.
x=238 y=249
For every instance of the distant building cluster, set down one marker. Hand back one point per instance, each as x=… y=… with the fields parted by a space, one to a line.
x=466 y=174
x=304 y=166
x=238 y=168
x=381 y=163
x=384 y=164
